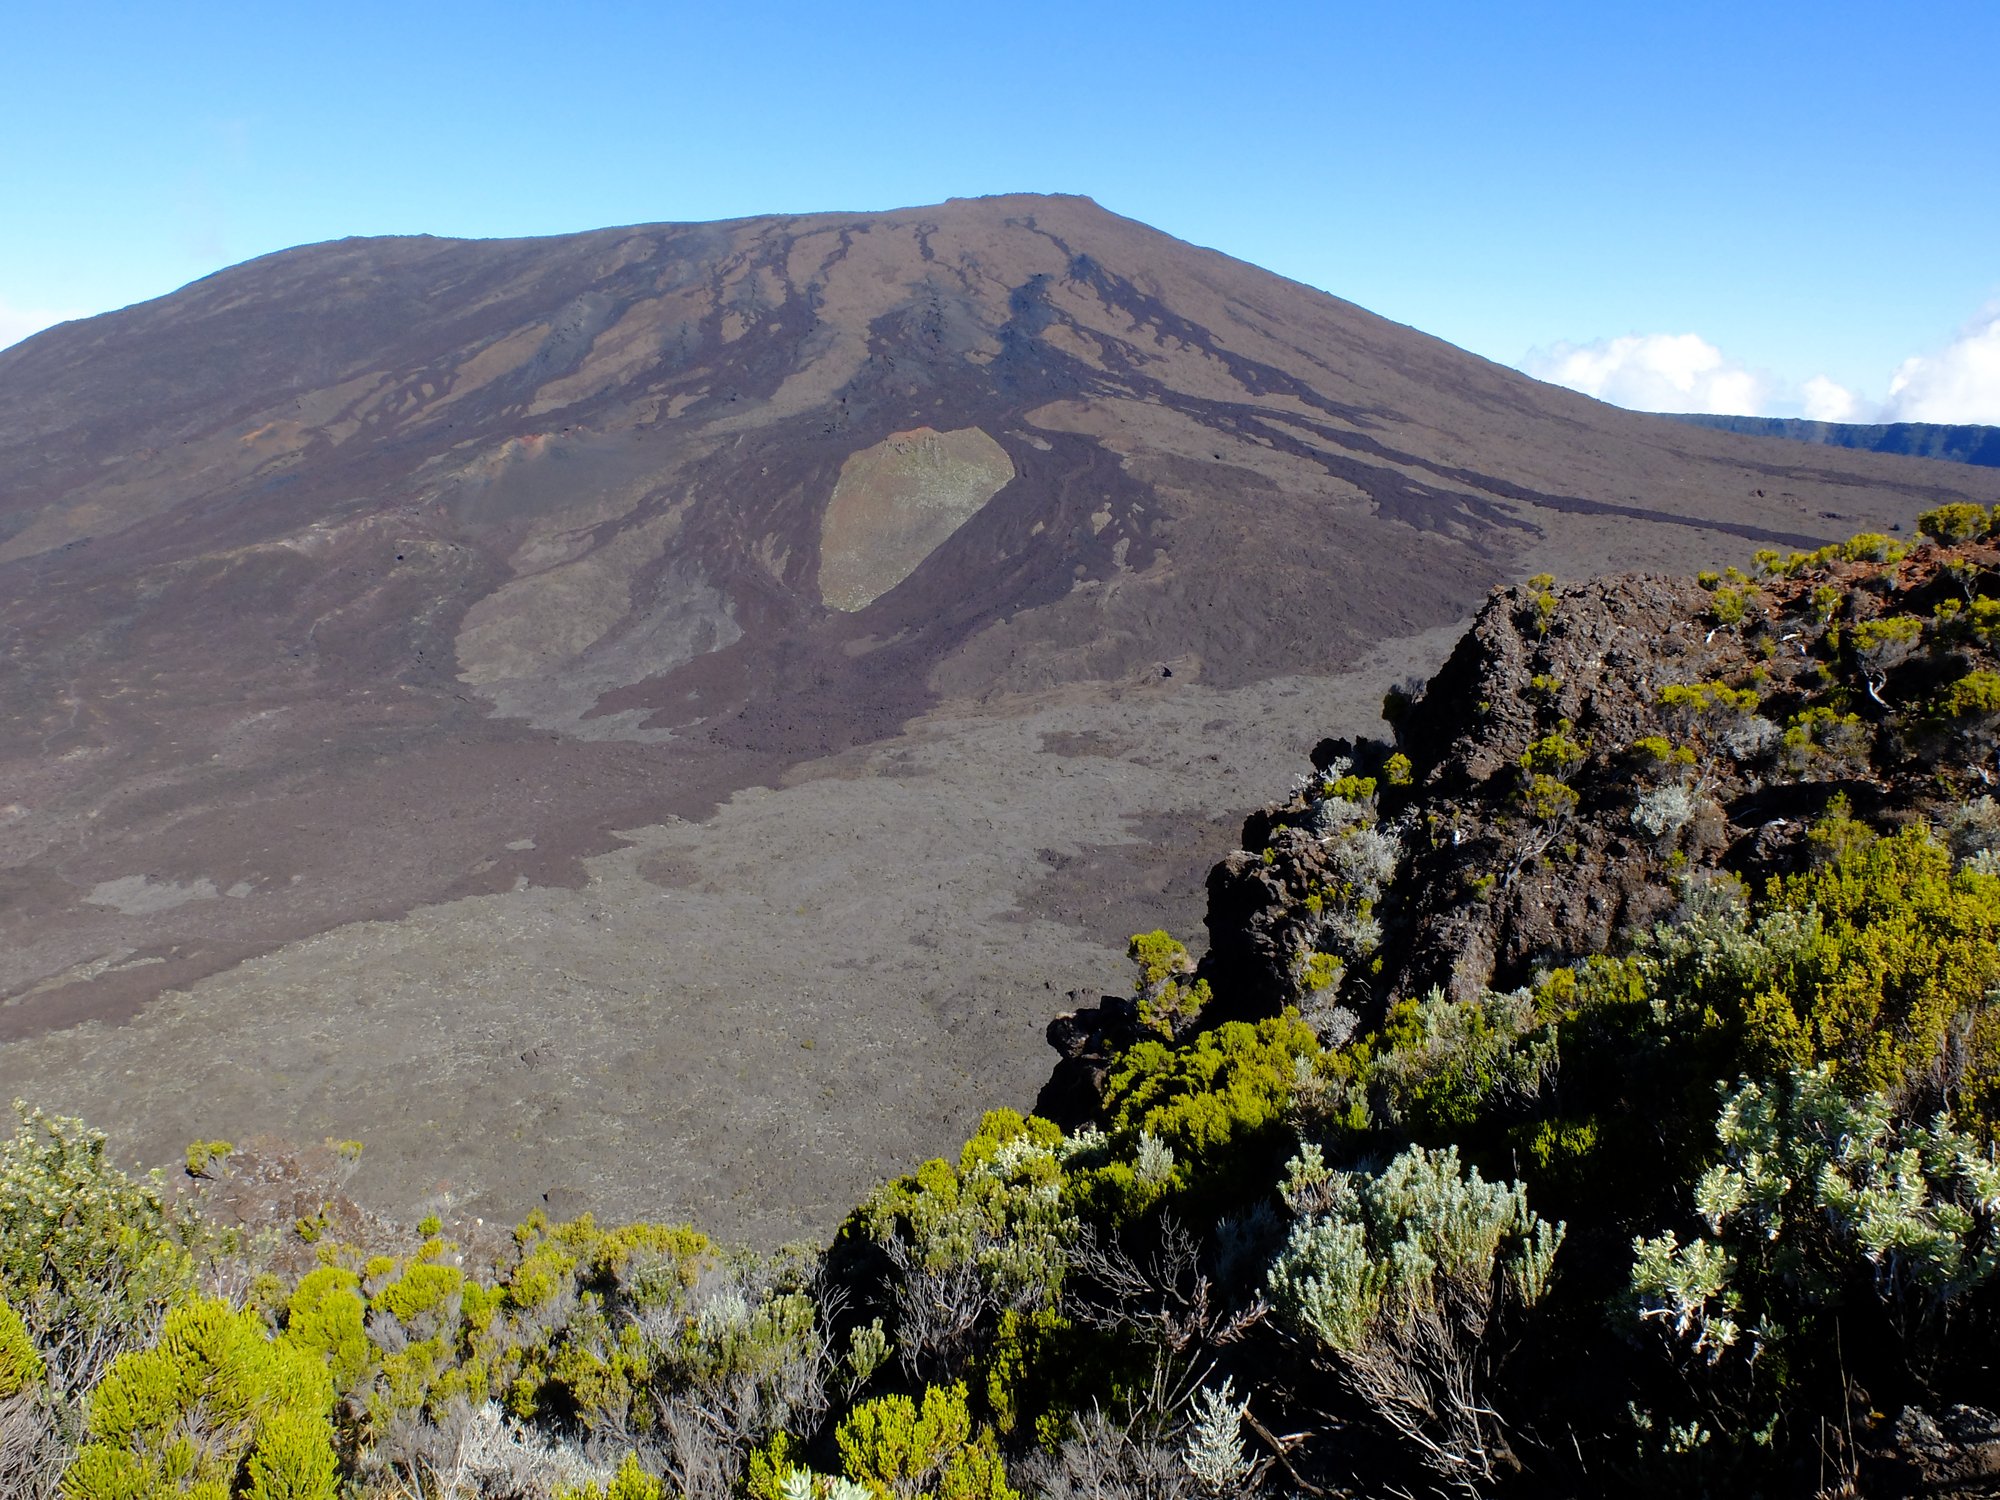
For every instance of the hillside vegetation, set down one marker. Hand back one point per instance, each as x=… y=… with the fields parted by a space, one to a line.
x=1594 y=1089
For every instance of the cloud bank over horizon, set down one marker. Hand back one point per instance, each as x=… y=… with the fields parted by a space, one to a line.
x=1684 y=372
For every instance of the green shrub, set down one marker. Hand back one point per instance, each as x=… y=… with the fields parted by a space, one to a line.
x=326 y=1317
x=1961 y=521
x=1554 y=755
x=1369 y=1248
x=1167 y=1002
x=1872 y=546
x=1973 y=696
x=82 y=1244
x=1873 y=960
x=1436 y=1066
x=214 y=1392
x=631 y=1482
x=1823 y=731
x=204 y=1156
x=1881 y=644
x=1901 y=948
x=1658 y=750
x=21 y=1364
x=1394 y=1277
x=1541 y=603
x=897 y=1449
x=1000 y=1209
x=1546 y=799
x=1817 y=1192
x=1699 y=699
x=1218 y=1101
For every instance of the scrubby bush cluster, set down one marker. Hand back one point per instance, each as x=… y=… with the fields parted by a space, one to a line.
x=1698 y=1209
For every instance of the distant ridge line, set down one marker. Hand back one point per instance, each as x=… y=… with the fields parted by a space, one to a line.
x=1959 y=443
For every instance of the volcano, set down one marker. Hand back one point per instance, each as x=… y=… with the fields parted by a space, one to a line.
x=651 y=719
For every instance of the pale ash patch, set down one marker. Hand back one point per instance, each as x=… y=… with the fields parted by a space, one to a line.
x=141 y=895
x=899 y=501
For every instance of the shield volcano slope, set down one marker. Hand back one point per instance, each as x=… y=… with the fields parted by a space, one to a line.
x=376 y=577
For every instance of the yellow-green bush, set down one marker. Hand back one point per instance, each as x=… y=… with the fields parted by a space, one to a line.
x=1168 y=1001
x=21 y=1363
x=898 y=1449
x=1951 y=524
x=183 y=1416
x=631 y=1482
x=326 y=1317
x=1214 y=1101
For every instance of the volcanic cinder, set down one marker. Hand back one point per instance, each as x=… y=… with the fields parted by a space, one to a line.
x=653 y=720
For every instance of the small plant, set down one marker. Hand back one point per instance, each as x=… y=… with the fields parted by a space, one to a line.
x=1883 y=643
x=309 y=1227
x=213 y=1393
x=1168 y=1002
x=1213 y=1451
x=1539 y=605
x=1872 y=546
x=84 y=1247
x=1975 y=695
x=894 y=1446
x=1729 y=608
x=1554 y=755
x=1546 y=799
x=204 y=1157
x=21 y=1363
x=867 y=1352
x=1703 y=698
x=1665 y=810
x=1395 y=1277
x=1955 y=523
x=1657 y=750
x=631 y=1482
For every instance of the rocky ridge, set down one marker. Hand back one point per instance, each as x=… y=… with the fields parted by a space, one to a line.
x=1588 y=748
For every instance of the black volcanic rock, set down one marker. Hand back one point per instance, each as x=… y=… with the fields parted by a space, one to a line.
x=1767 y=721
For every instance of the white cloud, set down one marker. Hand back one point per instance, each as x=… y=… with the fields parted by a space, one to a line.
x=1959 y=383
x=1654 y=372
x=1685 y=372
x=16 y=323
x=1823 y=400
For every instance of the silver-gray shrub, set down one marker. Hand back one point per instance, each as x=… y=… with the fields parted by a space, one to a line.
x=1973 y=833
x=1663 y=811
x=1392 y=1280
x=1829 y=1185
x=1212 y=1448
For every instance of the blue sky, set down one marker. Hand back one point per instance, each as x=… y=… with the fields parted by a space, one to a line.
x=1693 y=205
